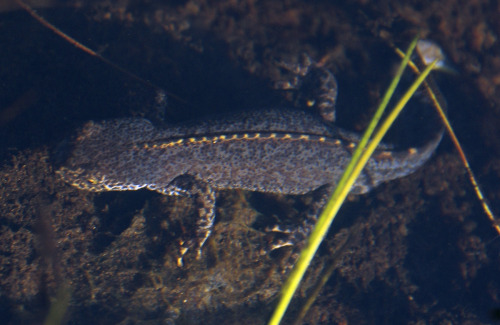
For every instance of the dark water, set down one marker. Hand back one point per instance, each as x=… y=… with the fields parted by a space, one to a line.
x=421 y=249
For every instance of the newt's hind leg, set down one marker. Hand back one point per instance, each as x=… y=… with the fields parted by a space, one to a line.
x=315 y=87
x=204 y=197
x=294 y=235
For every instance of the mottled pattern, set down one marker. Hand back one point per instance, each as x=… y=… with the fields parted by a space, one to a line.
x=280 y=151
x=316 y=86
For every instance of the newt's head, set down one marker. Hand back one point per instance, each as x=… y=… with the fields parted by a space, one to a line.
x=93 y=159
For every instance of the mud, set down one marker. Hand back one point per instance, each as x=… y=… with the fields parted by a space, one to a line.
x=419 y=250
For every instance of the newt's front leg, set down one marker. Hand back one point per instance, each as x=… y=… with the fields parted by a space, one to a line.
x=204 y=196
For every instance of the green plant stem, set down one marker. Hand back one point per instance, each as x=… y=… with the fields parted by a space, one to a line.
x=335 y=202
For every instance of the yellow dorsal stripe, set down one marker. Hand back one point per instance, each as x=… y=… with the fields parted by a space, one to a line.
x=239 y=137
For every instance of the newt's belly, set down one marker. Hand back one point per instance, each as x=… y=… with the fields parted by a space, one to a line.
x=280 y=151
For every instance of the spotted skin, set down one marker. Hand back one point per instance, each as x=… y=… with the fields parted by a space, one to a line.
x=279 y=151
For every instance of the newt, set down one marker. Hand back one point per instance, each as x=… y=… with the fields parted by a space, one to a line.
x=287 y=151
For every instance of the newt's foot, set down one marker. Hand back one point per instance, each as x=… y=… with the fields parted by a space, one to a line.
x=315 y=86
x=204 y=197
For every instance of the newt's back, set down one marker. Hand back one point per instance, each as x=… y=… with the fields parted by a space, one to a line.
x=280 y=151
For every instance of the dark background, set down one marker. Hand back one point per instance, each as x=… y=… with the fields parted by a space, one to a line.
x=420 y=249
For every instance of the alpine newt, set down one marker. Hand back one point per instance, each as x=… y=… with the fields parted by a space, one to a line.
x=284 y=151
